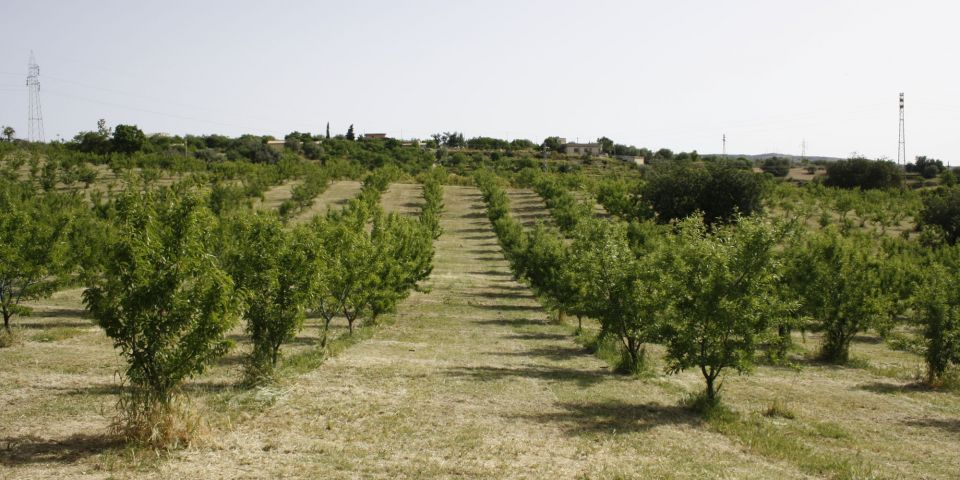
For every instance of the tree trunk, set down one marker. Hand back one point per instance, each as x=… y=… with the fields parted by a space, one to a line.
x=323 y=333
x=579 y=323
x=711 y=392
x=6 y=321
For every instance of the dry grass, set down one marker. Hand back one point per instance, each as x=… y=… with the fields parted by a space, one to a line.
x=335 y=196
x=527 y=207
x=276 y=195
x=473 y=380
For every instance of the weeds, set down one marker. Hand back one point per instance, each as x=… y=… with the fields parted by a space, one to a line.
x=778 y=409
x=169 y=423
x=9 y=338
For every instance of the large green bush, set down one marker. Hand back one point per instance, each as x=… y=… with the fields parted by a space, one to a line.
x=718 y=190
x=863 y=173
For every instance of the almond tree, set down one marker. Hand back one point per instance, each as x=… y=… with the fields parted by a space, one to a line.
x=938 y=306
x=842 y=290
x=723 y=283
x=619 y=289
x=32 y=246
x=275 y=270
x=166 y=303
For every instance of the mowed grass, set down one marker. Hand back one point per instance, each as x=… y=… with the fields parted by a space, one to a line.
x=59 y=386
x=276 y=195
x=335 y=196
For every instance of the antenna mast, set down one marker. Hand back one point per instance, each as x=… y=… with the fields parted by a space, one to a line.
x=902 y=141
x=724 y=145
x=34 y=113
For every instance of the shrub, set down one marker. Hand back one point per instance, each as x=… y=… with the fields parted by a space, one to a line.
x=719 y=191
x=864 y=174
x=778 y=167
x=941 y=209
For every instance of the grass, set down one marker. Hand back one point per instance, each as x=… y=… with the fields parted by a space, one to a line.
x=56 y=334
x=779 y=409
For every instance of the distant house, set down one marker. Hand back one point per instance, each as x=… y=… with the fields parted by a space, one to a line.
x=573 y=148
x=276 y=144
x=375 y=135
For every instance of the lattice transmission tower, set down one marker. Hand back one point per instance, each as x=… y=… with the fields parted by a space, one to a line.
x=902 y=141
x=34 y=112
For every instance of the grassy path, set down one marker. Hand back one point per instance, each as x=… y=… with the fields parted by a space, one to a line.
x=335 y=196
x=276 y=195
x=527 y=207
x=405 y=198
x=470 y=381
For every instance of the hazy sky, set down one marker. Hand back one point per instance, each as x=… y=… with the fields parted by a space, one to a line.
x=679 y=74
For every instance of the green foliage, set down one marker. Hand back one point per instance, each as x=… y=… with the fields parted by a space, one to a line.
x=553 y=144
x=433 y=201
x=926 y=167
x=864 y=174
x=274 y=270
x=252 y=148
x=566 y=210
x=162 y=297
x=724 y=283
x=778 y=167
x=719 y=191
x=622 y=291
x=316 y=182
x=838 y=281
x=128 y=139
x=366 y=272
x=621 y=197
x=33 y=245
x=941 y=210
x=938 y=307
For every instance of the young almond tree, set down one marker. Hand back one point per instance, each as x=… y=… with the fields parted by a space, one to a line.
x=404 y=249
x=275 y=271
x=620 y=290
x=347 y=271
x=938 y=306
x=842 y=290
x=32 y=247
x=166 y=303
x=722 y=282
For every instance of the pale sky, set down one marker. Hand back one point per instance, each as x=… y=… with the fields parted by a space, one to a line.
x=679 y=74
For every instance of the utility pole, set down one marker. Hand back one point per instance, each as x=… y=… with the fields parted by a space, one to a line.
x=34 y=113
x=902 y=141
